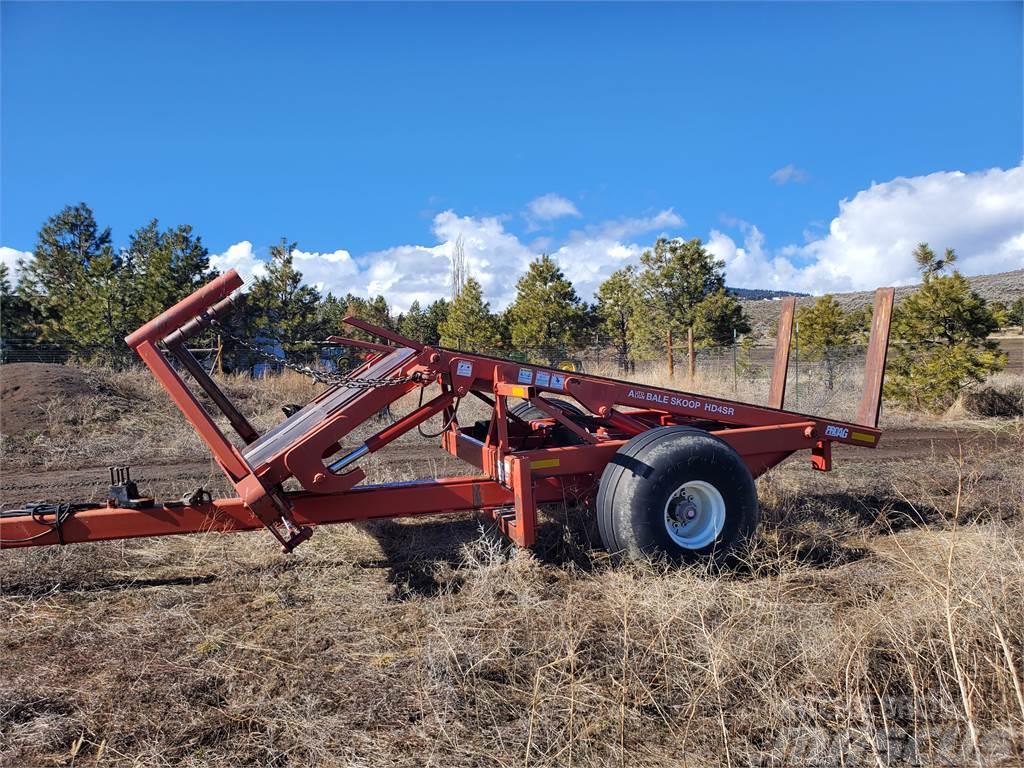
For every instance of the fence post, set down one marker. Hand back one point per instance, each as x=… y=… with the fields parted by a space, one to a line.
x=691 y=362
x=735 y=372
x=796 y=371
x=671 y=362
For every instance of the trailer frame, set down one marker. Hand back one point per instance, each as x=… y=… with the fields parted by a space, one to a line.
x=519 y=466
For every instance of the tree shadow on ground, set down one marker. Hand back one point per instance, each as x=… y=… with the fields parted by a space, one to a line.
x=85 y=583
x=853 y=512
x=424 y=557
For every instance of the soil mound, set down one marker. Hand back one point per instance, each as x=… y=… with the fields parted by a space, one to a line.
x=990 y=401
x=26 y=388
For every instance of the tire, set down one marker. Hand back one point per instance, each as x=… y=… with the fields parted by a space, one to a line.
x=526 y=410
x=560 y=435
x=676 y=492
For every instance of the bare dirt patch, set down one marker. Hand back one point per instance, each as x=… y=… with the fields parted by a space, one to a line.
x=26 y=388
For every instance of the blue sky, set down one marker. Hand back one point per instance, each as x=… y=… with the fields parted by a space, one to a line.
x=382 y=131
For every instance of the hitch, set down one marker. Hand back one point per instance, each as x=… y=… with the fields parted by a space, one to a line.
x=124 y=492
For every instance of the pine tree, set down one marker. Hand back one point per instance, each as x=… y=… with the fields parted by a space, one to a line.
x=379 y=313
x=436 y=313
x=413 y=324
x=675 y=277
x=1015 y=313
x=166 y=267
x=616 y=306
x=929 y=263
x=330 y=312
x=547 y=315
x=330 y=316
x=1000 y=312
x=824 y=329
x=470 y=324
x=942 y=332
x=16 y=317
x=81 y=287
x=718 y=319
x=281 y=308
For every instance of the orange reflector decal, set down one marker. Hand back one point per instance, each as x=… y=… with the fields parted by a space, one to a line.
x=545 y=463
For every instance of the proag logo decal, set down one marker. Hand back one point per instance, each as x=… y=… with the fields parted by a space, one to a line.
x=833 y=431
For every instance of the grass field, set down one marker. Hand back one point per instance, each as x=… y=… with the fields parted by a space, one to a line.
x=877 y=619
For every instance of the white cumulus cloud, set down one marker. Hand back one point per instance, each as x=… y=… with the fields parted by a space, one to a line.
x=326 y=271
x=549 y=207
x=629 y=227
x=240 y=257
x=871 y=241
x=12 y=258
x=495 y=257
x=868 y=243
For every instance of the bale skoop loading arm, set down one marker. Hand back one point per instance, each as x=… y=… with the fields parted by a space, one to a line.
x=673 y=472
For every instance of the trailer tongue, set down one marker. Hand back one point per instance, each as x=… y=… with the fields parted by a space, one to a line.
x=670 y=472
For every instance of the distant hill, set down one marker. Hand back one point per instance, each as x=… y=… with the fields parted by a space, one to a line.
x=1003 y=286
x=761 y=294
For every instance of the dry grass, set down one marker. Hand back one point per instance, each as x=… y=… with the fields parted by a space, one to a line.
x=129 y=416
x=861 y=629
x=878 y=619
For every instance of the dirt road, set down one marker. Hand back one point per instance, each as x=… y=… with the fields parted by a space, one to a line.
x=168 y=481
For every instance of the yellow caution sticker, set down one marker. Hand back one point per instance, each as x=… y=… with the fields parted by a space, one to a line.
x=860 y=437
x=545 y=463
x=519 y=391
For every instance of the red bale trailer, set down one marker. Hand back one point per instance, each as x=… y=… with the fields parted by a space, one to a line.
x=671 y=473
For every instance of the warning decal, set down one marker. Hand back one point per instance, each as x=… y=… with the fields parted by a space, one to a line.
x=525 y=376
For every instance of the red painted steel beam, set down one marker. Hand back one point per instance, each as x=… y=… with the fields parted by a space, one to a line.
x=383 y=333
x=558 y=415
x=223 y=451
x=597 y=394
x=186 y=309
x=344 y=341
x=427 y=497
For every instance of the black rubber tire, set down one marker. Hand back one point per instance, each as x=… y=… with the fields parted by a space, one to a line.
x=638 y=481
x=526 y=410
x=560 y=435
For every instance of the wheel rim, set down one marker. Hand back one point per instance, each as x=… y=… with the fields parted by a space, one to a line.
x=695 y=514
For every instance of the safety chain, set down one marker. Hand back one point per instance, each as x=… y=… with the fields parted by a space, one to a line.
x=318 y=376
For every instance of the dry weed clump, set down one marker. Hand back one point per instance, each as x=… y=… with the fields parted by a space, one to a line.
x=1002 y=396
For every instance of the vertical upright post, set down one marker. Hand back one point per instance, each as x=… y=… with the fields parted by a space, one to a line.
x=783 y=338
x=796 y=369
x=523 y=533
x=218 y=360
x=671 y=361
x=735 y=372
x=689 y=352
x=874 y=368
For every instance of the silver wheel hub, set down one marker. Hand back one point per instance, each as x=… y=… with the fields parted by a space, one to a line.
x=695 y=514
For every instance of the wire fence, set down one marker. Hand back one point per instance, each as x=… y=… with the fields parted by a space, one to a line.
x=732 y=364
